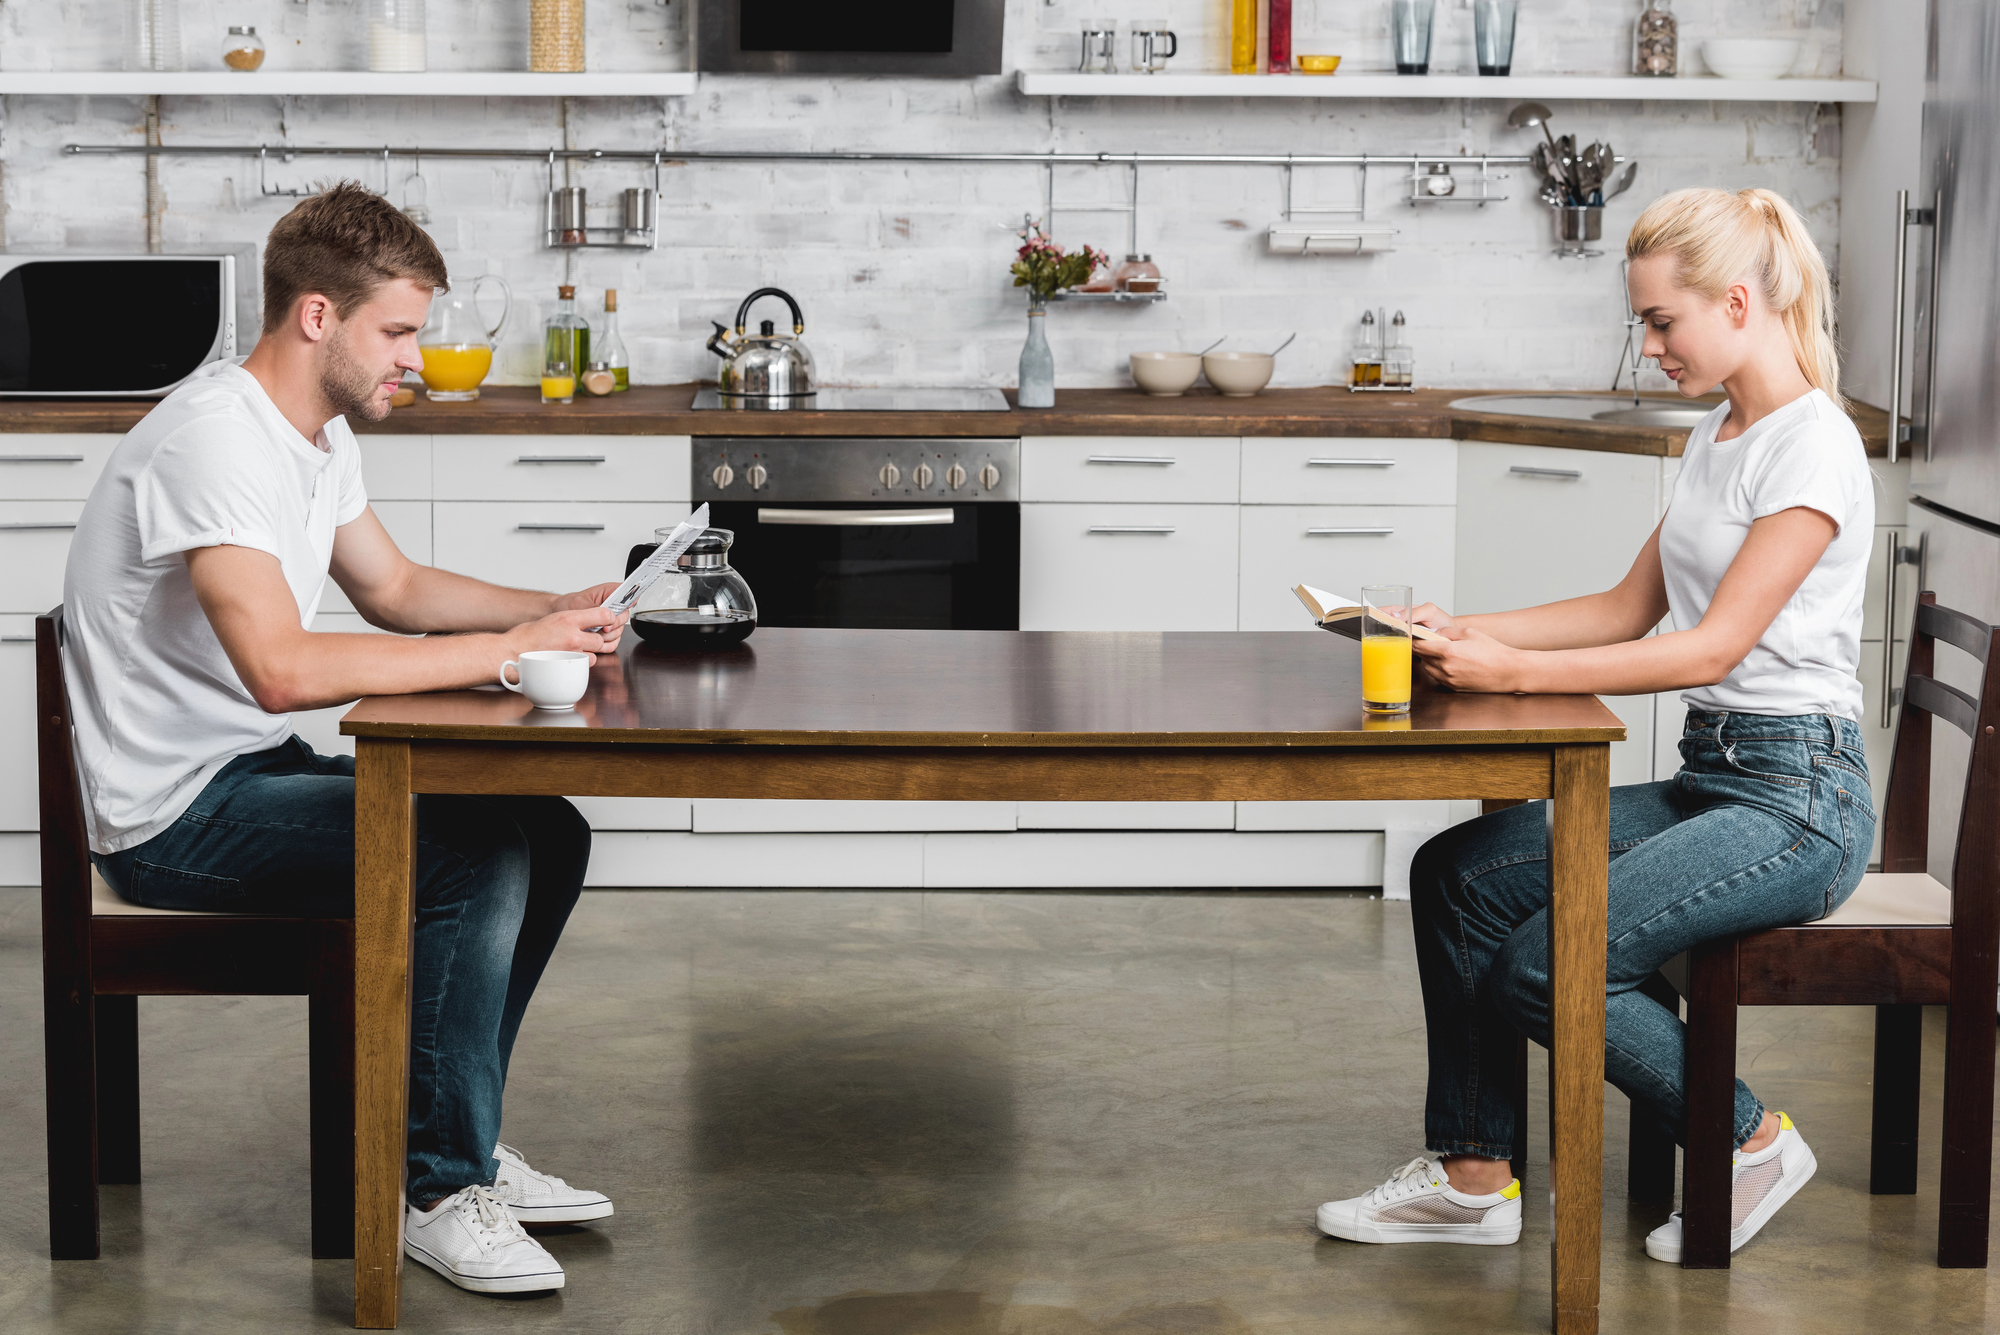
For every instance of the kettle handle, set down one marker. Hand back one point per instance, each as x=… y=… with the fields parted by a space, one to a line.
x=718 y=342
x=743 y=311
x=506 y=300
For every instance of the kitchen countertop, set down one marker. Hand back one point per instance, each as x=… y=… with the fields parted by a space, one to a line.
x=663 y=410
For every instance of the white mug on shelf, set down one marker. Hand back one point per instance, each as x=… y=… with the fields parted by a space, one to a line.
x=552 y=679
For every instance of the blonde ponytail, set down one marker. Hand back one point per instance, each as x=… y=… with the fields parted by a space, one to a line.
x=1719 y=237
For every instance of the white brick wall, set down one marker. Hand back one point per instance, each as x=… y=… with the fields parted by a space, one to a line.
x=901 y=268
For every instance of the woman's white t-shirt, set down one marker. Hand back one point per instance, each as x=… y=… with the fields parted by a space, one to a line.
x=1805 y=454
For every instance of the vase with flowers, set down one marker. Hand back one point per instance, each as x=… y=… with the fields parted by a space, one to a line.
x=1045 y=268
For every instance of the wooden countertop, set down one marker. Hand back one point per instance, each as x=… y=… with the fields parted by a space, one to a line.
x=656 y=410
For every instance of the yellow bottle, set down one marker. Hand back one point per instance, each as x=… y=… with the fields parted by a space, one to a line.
x=1243 y=36
x=1385 y=671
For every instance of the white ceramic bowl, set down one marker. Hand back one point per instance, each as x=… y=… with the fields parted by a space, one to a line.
x=1238 y=375
x=1165 y=374
x=1750 y=57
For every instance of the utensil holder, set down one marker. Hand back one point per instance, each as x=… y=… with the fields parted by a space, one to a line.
x=1577 y=225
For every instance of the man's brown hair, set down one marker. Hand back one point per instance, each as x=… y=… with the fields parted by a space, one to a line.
x=344 y=244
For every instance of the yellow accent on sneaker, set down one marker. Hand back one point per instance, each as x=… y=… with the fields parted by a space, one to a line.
x=1512 y=1189
x=1785 y=1123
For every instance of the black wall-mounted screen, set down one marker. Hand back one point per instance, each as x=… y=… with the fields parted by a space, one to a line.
x=106 y=326
x=814 y=25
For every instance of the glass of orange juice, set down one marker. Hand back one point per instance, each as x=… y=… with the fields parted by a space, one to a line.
x=1385 y=648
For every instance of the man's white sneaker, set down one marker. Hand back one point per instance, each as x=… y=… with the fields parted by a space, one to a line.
x=1417 y=1204
x=1764 y=1181
x=537 y=1198
x=472 y=1241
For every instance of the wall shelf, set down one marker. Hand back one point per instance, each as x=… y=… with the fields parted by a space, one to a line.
x=346 y=83
x=1546 y=88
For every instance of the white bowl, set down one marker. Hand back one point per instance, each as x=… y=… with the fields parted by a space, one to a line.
x=1165 y=375
x=1238 y=375
x=1750 y=57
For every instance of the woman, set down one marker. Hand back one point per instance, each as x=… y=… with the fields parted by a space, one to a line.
x=1762 y=559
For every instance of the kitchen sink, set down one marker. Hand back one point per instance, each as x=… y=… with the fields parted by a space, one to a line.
x=1614 y=408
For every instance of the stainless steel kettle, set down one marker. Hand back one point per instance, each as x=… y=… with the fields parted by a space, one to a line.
x=765 y=367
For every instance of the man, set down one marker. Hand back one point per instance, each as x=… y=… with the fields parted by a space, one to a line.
x=195 y=570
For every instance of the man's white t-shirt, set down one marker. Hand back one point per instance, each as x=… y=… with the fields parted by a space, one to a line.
x=1805 y=454
x=158 y=707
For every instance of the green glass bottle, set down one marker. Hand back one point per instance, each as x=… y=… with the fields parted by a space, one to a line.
x=566 y=337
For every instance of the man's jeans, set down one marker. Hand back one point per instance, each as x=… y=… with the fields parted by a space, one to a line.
x=1768 y=823
x=496 y=877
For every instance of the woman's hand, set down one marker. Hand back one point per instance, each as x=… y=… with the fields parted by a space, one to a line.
x=1430 y=614
x=1471 y=660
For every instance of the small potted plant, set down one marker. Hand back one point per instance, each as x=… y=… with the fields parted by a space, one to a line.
x=1045 y=268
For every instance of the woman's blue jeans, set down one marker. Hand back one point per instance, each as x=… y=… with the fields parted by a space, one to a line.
x=496 y=878
x=1769 y=822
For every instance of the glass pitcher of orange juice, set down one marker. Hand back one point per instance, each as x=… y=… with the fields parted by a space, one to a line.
x=457 y=345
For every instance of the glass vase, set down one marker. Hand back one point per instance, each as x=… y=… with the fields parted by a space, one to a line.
x=1038 y=363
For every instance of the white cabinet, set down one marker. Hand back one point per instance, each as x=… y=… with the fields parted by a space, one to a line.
x=34 y=548
x=560 y=546
x=1196 y=469
x=396 y=467
x=560 y=468
x=18 y=784
x=1344 y=470
x=1340 y=548
x=53 y=467
x=1128 y=567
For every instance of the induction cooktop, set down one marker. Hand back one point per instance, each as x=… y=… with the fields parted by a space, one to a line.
x=851 y=399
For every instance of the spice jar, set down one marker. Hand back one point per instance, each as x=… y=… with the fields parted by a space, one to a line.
x=1656 y=40
x=599 y=380
x=1137 y=274
x=242 y=49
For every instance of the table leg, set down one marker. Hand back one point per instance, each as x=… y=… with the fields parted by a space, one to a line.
x=1579 y=859
x=384 y=859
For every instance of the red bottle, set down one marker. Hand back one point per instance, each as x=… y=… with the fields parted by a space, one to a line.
x=1281 y=37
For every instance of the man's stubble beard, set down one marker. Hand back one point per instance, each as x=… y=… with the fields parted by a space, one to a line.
x=347 y=386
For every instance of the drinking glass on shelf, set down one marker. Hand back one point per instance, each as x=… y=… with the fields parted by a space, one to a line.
x=1493 y=35
x=1100 y=47
x=558 y=381
x=1410 y=23
x=1153 y=45
x=1385 y=648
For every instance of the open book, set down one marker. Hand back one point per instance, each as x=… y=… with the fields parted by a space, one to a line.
x=1344 y=618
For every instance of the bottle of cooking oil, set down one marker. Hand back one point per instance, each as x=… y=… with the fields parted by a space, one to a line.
x=610 y=348
x=1367 y=355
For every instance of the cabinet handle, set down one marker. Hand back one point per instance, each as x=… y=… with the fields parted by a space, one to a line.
x=560 y=459
x=1897 y=432
x=1130 y=459
x=1931 y=377
x=70 y=524
x=1898 y=555
x=1567 y=474
x=1350 y=463
x=1131 y=528
x=41 y=458
x=1350 y=532
x=559 y=528
x=856 y=518
x=17 y=639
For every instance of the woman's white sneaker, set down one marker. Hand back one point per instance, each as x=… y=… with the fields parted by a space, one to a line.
x=1763 y=1182
x=1417 y=1204
x=537 y=1198
x=473 y=1241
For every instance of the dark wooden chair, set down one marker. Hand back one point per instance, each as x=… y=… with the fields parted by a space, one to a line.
x=101 y=954
x=1902 y=942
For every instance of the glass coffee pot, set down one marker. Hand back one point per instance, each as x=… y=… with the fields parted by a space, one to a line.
x=457 y=345
x=702 y=604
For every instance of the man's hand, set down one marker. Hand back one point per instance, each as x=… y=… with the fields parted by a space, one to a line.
x=583 y=625
x=1470 y=660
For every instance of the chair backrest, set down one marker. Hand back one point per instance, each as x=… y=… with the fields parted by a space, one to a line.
x=65 y=846
x=1906 y=806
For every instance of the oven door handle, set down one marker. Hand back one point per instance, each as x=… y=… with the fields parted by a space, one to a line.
x=855 y=518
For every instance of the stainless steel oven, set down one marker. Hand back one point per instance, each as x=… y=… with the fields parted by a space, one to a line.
x=880 y=533
x=937 y=37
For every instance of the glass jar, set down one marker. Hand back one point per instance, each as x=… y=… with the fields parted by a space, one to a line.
x=1136 y=267
x=1399 y=359
x=703 y=604
x=242 y=49
x=1367 y=354
x=1656 y=40
x=153 y=36
x=396 y=36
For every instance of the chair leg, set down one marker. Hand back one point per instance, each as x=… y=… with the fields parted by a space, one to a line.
x=331 y=1035
x=1967 y=1148
x=1520 y=1149
x=1706 y=1177
x=70 y=1082
x=1892 y=1138
x=117 y=1089
x=1649 y=1160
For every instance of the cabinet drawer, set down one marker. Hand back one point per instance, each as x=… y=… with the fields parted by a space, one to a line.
x=409 y=523
x=559 y=468
x=558 y=546
x=1128 y=567
x=18 y=786
x=55 y=467
x=1340 y=548
x=1198 y=470
x=34 y=548
x=396 y=467
x=1349 y=470
x=1539 y=524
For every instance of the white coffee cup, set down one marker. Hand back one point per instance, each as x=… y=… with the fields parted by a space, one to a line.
x=552 y=679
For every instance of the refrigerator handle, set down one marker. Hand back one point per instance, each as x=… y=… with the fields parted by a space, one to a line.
x=1936 y=221
x=1897 y=431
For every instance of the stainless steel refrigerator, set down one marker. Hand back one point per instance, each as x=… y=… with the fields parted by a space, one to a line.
x=1954 y=442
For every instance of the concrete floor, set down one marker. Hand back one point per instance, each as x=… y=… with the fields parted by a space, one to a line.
x=894 y=1113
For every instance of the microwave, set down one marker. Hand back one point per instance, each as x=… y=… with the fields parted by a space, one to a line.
x=119 y=326
x=915 y=37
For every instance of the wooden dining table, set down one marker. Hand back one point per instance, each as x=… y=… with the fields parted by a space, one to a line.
x=940 y=715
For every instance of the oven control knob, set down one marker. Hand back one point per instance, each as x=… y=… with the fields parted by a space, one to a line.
x=989 y=477
x=954 y=476
x=922 y=475
x=756 y=475
x=890 y=475
x=723 y=475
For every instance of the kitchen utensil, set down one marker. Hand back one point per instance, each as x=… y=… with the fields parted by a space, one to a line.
x=457 y=344
x=1750 y=57
x=565 y=208
x=1566 y=158
x=552 y=679
x=1623 y=183
x=1166 y=375
x=765 y=366
x=1238 y=375
x=1213 y=346
x=703 y=604
x=1528 y=115
x=1282 y=346
x=1410 y=23
x=1552 y=194
x=641 y=573
x=1493 y=35
x=1317 y=64
x=1539 y=159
